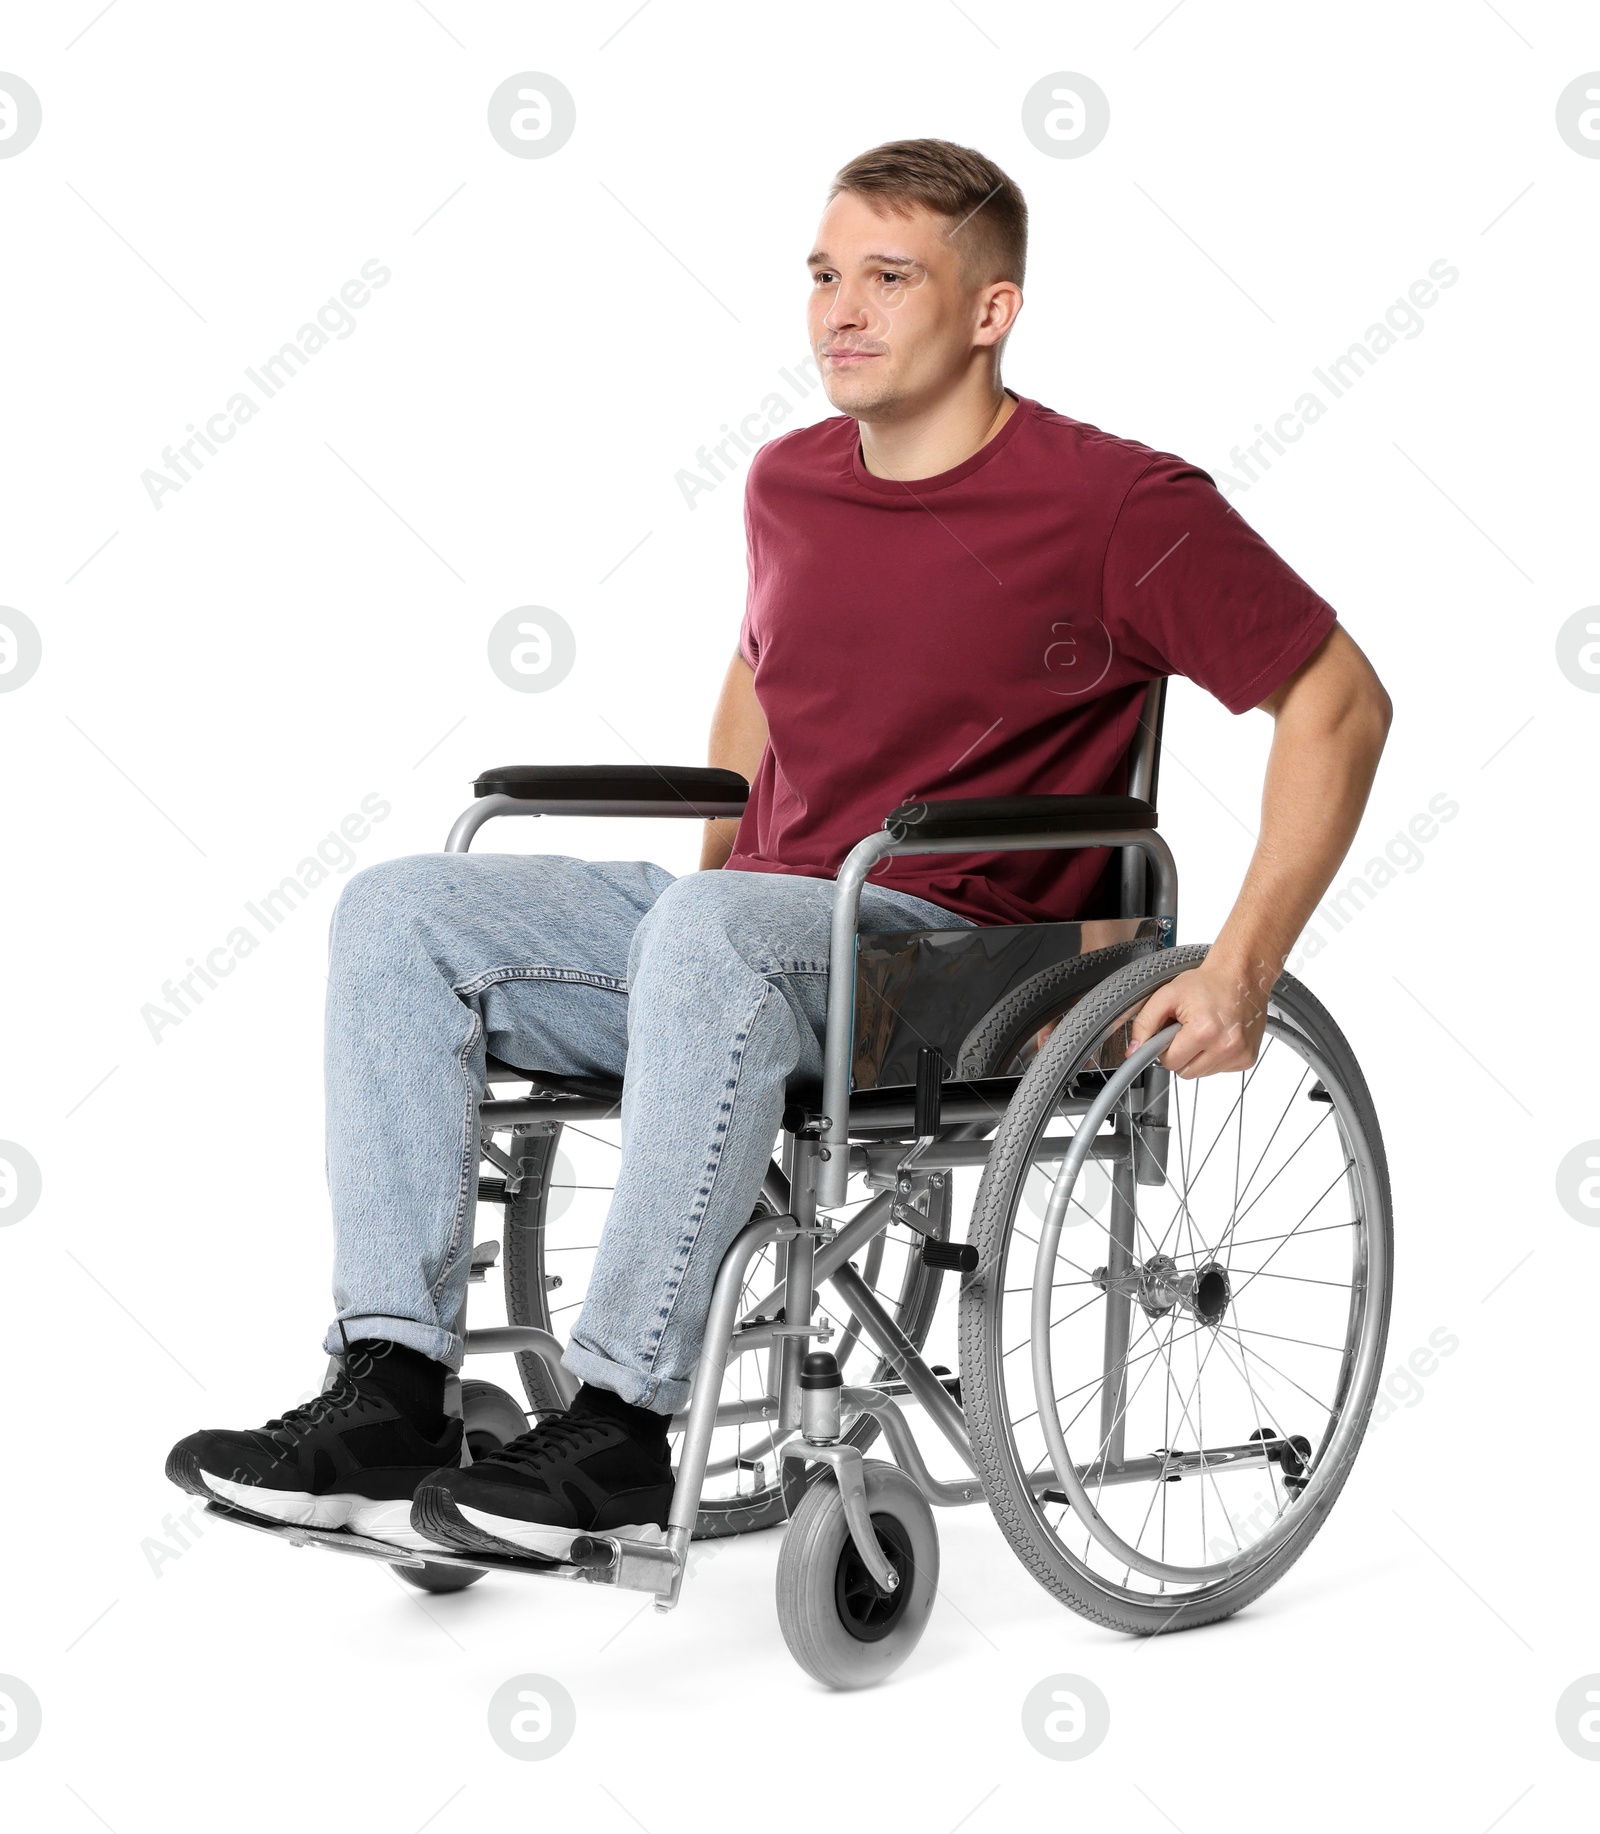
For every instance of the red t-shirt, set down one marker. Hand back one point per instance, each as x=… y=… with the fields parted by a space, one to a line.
x=987 y=632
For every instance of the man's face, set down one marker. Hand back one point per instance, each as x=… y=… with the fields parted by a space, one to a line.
x=891 y=317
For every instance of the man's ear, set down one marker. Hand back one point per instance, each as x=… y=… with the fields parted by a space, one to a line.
x=1001 y=304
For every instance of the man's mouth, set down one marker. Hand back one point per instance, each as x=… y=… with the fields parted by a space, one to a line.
x=836 y=355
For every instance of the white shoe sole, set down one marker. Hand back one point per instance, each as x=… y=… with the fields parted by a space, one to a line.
x=380 y=1521
x=541 y=1538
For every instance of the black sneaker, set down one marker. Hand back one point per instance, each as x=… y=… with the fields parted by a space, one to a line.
x=574 y=1474
x=348 y=1458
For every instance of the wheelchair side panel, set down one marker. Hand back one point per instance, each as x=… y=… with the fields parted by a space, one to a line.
x=922 y=987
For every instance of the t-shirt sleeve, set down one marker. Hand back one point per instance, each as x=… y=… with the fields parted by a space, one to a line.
x=1189 y=588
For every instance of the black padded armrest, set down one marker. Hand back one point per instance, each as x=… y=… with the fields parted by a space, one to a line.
x=673 y=789
x=980 y=818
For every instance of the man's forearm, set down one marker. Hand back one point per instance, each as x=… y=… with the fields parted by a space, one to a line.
x=1318 y=777
x=1330 y=721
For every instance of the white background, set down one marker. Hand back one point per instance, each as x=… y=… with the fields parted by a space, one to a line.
x=305 y=622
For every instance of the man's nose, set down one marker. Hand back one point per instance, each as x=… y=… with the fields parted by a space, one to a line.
x=848 y=310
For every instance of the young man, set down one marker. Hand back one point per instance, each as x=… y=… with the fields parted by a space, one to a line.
x=954 y=591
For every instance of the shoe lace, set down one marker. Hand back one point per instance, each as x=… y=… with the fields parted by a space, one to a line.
x=559 y=1433
x=342 y=1395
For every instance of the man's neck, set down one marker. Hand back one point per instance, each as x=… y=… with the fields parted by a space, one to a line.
x=938 y=439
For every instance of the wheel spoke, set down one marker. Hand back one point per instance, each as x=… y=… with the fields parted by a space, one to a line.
x=1338 y=1179
x=1053 y=1324
x=1239 y=1217
x=1260 y=1273
x=1280 y=1337
x=1325 y=1406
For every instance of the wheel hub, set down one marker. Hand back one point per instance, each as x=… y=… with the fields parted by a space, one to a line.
x=866 y=1611
x=1158 y=1284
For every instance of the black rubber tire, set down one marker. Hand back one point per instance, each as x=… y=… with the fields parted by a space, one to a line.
x=432 y=1577
x=490 y=1417
x=982 y=1392
x=522 y=1266
x=808 y=1591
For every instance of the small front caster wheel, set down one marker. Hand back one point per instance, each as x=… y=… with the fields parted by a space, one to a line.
x=434 y=1576
x=840 y=1627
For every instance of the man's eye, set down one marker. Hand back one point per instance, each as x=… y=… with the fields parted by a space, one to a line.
x=888 y=276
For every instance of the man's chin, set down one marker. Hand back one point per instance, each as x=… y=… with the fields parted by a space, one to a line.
x=863 y=397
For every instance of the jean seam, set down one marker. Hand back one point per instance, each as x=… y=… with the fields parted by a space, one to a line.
x=607 y=983
x=691 y=1234
x=468 y=1167
x=466 y=990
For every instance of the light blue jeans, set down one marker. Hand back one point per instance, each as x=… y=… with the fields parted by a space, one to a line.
x=706 y=993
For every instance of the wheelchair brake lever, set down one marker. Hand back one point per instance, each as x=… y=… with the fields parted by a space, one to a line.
x=927 y=1099
x=929 y=1094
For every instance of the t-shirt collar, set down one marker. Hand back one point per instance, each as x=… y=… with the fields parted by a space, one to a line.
x=942 y=480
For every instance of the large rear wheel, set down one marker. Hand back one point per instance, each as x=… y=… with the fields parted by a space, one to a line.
x=1173 y=1341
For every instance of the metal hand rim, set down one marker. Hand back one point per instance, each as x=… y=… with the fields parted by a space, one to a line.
x=1043 y=1377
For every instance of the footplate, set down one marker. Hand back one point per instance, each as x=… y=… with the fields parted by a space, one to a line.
x=339 y=1539
x=599 y=1560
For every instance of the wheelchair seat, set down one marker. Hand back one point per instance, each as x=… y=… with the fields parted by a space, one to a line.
x=546 y=1082
x=963 y=992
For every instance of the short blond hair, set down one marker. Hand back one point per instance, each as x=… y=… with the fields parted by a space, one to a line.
x=985 y=207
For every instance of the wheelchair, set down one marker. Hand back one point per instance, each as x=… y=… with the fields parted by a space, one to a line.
x=1171 y=1299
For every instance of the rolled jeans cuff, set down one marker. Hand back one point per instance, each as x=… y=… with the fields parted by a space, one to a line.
x=660 y=1394
x=432 y=1340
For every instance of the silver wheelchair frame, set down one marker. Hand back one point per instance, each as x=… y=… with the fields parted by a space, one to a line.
x=817 y=1166
x=814 y=1253
x=909 y=1138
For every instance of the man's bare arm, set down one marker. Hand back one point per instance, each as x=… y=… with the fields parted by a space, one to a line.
x=1330 y=721
x=738 y=736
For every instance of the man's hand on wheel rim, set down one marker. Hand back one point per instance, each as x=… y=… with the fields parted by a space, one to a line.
x=1222 y=1012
